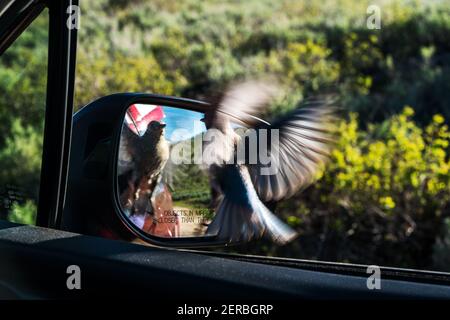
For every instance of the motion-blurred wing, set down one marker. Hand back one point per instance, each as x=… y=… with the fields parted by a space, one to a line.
x=243 y=102
x=239 y=104
x=305 y=139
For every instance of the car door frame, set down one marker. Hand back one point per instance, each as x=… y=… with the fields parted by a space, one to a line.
x=16 y=16
x=58 y=116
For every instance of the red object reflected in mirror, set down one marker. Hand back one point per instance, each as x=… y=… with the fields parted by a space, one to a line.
x=164 y=222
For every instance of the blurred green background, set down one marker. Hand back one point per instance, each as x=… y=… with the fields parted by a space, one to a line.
x=385 y=197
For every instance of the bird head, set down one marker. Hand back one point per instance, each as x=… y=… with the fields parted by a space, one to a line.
x=156 y=128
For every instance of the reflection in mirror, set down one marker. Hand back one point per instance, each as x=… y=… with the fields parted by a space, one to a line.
x=162 y=187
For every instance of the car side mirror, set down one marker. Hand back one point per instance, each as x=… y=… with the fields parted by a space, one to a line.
x=162 y=187
x=134 y=174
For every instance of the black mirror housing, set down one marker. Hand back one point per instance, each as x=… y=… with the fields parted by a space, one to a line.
x=92 y=205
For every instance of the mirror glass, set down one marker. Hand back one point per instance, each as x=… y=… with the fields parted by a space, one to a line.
x=163 y=188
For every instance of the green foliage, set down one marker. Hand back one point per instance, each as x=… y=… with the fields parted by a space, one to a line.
x=393 y=168
x=312 y=47
x=24 y=214
x=308 y=63
x=396 y=158
x=23 y=74
x=190 y=185
x=21 y=157
x=143 y=74
x=385 y=191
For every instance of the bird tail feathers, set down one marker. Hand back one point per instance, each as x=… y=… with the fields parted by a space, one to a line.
x=235 y=222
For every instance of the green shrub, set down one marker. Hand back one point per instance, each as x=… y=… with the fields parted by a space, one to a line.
x=21 y=158
x=23 y=213
x=385 y=191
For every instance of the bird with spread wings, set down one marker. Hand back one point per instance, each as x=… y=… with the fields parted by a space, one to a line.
x=243 y=188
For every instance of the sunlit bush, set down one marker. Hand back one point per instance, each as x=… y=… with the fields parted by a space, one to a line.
x=21 y=157
x=23 y=213
x=385 y=190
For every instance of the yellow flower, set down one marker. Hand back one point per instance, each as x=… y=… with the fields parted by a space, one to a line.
x=439 y=119
x=387 y=202
x=408 y=111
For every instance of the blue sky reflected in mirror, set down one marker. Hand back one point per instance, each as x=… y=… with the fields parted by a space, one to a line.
x=182 y=124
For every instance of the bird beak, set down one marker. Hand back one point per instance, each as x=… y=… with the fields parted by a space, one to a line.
x=162 y=125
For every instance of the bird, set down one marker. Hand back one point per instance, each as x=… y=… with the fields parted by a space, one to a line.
x=243 y=189
x=141 y=162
